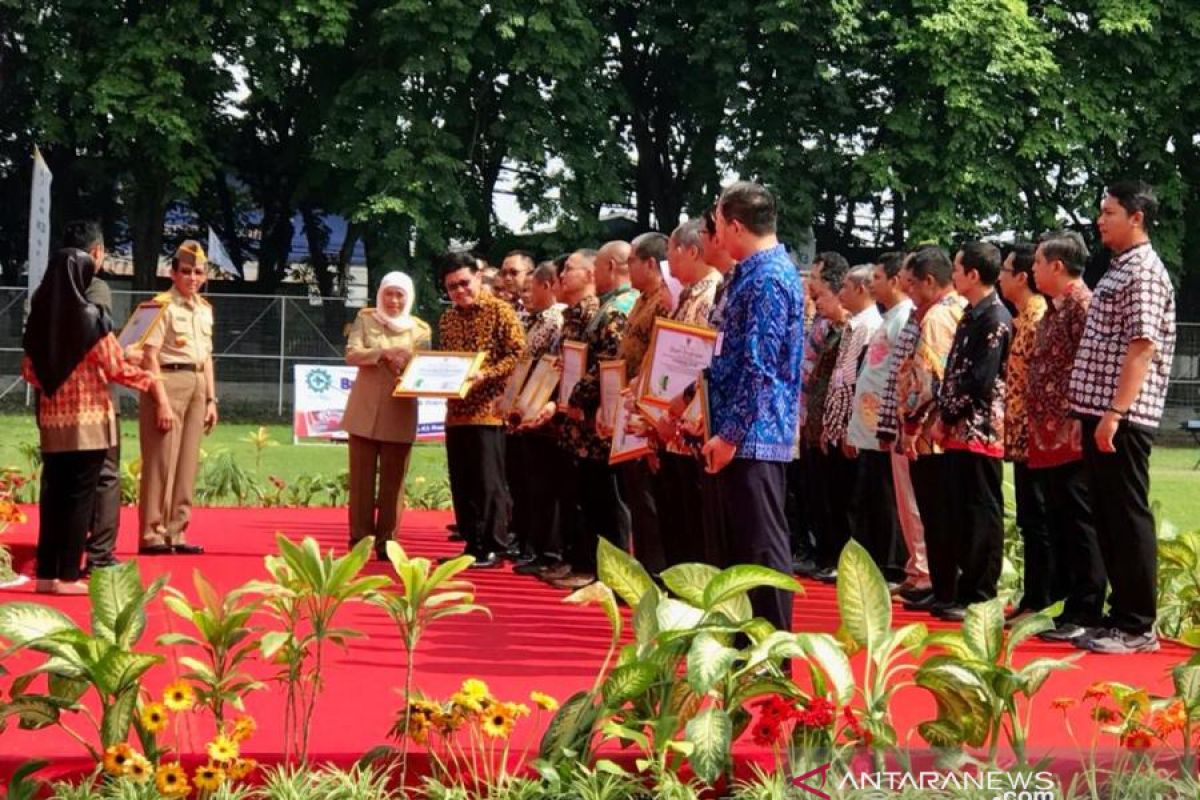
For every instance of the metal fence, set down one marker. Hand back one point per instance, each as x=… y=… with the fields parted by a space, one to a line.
x=259 y=338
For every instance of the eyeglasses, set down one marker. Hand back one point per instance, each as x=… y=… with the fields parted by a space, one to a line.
x=453 y=287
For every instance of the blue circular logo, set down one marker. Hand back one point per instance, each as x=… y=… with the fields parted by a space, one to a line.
x=319 y=381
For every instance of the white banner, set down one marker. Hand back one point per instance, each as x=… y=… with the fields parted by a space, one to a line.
x=319 y=397
x=39 y=221
x=218 y=256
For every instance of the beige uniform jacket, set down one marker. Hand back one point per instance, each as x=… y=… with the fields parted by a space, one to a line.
x=371 y=411
x=184 y=333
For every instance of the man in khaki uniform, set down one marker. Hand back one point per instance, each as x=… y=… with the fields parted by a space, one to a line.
x=179 y=348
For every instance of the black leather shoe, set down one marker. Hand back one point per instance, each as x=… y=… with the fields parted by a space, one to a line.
x=486 y=560
x=954 y=613
x=454 y=536
x=188 y=549
x=155 y=550
x=922 y=603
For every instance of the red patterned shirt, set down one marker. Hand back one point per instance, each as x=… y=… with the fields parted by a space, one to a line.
x=80 y=415
x=1055 y=437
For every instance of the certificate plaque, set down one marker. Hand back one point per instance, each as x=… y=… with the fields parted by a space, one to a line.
x=626 y=446
x=141 y=323
x=696 y=414
x=434 y=373
x=574 y=365
x=677 y=354
x=538 y=390
x=512 y=389
x=612 y=383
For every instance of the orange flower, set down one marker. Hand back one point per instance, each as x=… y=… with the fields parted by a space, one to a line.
x=1062 y=703
x=1097 y=691
x=1105 y=714
x=1170 y=719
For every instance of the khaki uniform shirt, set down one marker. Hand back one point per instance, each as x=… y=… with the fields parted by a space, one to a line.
x=183 y=334
x=371 y=411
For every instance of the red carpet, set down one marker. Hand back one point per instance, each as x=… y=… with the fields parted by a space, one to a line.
x=532 y=641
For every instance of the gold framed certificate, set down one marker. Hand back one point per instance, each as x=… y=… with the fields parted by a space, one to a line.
x=574 y=365
x=612 y=383
x=677 y=354
x=437 y=373
x=141 y=322
x=537 y=390
x=626 y=446
x=696 y=414
x=512 y=389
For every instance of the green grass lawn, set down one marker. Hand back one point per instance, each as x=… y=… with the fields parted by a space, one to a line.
x=1173 y=483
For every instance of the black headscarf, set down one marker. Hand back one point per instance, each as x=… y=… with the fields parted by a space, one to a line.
x=63 y=326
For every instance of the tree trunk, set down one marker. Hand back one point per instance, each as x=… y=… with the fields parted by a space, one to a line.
x=318 y=239
x=147 y=205
x=233 y=240
x=1189 y=278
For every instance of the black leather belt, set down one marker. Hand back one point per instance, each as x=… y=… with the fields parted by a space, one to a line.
x=181 y=367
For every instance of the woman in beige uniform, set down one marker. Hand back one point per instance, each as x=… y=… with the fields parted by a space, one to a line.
x=382 y=428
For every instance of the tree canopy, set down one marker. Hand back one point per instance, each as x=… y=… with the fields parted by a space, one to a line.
x=879 y=124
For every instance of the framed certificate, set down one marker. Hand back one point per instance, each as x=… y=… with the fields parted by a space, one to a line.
x=512 y=389
x=434 y=373
x=612 y=383
x=141 y=323
x=676 y=355
x=696 y=414
x=537 y=390
x=574 y=365
x=626 y=446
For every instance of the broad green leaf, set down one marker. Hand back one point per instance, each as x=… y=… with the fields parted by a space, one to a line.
x=645 y=617
x=570 y=729
x=863 y=597
x=622 y=573
x=1187 y=685
x=676 y=615
x=709 y=733
x=822 y=650
x=597 y=592
x=1035 y=673
x=708 y=662
x=616 y=731
x=689 y=581
x=111 y=591
x=271 y=642
x=21 y=623
x=118 y=669
x=629 y=681
x=114 y=727
x=741 y=578
x=1027 y=627
x=33 y=711
x=983 y=629
x=67 y=689
x=964 y=699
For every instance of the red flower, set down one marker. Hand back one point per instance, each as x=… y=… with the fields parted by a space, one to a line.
x=1137 y=740
x=1062 y=703
x=775 y=709
x=1097 y=691
x=1105 y=714
x=818 y=715
x=766 y=733
x=858 y=732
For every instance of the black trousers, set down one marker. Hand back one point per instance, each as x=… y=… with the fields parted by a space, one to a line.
x=544 y=466
x=517 y=478
x=977 y=512
x=639 y=490
x=689 y=512
x=1120 y=493
x=839 y=474
x=106 y=512
x=1041 y=576
x=753 y=500
x=799 y=511
x=1082 y=579
x=932 y=488
x=874 y=520
x=475 y=461
x=603 y=514
x=66 y=504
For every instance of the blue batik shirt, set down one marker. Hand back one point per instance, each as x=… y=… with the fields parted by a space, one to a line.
x=754 y=380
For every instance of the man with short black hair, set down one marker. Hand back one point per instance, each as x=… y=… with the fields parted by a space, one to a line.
x=970 y=426
x=478 y=322
x=1119 y=388
x=514 y=273
x=1055 y=437
x=753 y=384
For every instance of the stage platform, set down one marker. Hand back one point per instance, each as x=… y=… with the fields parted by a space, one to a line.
x=532 y=641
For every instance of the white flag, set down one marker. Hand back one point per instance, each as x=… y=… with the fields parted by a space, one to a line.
x=39 y=221
x=218 y=256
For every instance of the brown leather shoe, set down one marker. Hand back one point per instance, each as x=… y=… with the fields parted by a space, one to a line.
x=555 y=572
x=576 y=580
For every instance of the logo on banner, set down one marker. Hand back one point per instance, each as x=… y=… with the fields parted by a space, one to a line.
x=319 y=381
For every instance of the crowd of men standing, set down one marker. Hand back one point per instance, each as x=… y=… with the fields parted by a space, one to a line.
x=876 y=402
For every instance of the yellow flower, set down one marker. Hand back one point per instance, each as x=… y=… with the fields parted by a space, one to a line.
x=116 y=758
x=222 y=749
x=243 y=729
x=154 y=717
x=473 y=687
x=172 y=781
x=516 y=710
x=467 y=701
x=241 y=768
x=138 y=769
x=498 y=724
x=179 y=696
x=209 y=777
x=544 y=701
